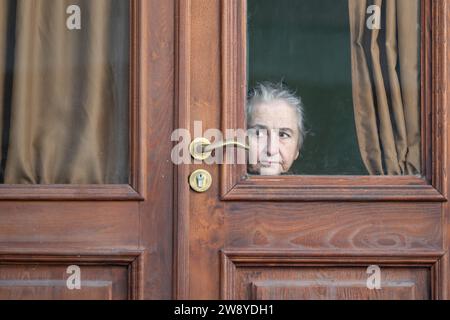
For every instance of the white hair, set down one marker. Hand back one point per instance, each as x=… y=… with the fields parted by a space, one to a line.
x=268 y=92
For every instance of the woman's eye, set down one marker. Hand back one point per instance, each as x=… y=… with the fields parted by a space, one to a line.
x=284 y=135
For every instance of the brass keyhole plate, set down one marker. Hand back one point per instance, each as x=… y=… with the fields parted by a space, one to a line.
x=200 y=180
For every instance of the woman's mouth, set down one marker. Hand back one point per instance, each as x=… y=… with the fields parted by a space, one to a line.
x=269 y=163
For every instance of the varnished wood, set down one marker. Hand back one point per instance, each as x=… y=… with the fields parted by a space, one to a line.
x=446 y=207
x=439 y=87
x=333 y=224
x=233 y=261
x=122 y=234
x=198 y=99
x=156 y=233
x=182 y=120
x=236 y=184
x=131 y=260
x=69 y=192
x=247 y=237
x=354 y=189
x=137 y=100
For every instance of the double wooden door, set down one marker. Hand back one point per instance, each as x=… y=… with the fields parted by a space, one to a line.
x=289 y=237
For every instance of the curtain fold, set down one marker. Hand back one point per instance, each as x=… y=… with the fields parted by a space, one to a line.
x=386 y=87
x=64 y=107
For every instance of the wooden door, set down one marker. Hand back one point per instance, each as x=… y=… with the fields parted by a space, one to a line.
x=303 y=237
x=117 y=239
x=300 y=237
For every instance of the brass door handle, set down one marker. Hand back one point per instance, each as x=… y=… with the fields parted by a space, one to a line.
x=201 y=148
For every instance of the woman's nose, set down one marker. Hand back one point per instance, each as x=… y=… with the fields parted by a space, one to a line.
x=273 y=145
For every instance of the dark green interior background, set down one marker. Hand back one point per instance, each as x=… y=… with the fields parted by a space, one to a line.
x=306 y=44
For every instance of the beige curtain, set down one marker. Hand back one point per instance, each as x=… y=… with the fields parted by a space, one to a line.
x=64 y=93
x=386 y=89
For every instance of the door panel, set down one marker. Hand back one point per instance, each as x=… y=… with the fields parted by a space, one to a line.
x=120 y=236
x=296 y=275
x=302 y=237
x=33 y=275
x=335 y=226
x=345 y=290
x=82 y=224
x=284 y=277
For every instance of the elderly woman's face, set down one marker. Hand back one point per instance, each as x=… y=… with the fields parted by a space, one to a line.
x=273 y=138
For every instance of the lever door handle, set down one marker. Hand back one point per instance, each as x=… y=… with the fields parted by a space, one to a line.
x=201 y=148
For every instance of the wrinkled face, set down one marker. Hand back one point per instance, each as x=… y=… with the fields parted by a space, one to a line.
x=273 y=138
